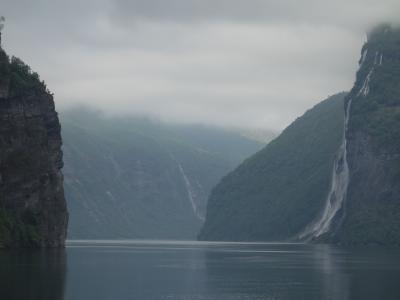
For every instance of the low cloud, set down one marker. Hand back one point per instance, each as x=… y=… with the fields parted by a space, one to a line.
x=235 y=63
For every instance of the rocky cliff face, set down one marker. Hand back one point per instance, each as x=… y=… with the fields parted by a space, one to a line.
x=371 y=210
x=32 y=206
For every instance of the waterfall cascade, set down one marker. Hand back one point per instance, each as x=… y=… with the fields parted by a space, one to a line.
x=337 y=193
x=340 y=176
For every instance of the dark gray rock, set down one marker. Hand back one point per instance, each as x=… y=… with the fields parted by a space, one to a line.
x=33 y=210
x=371 y=211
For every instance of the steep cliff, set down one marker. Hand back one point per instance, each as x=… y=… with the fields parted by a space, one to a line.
x=279 y=190
x=370 y=213
x=32 y=206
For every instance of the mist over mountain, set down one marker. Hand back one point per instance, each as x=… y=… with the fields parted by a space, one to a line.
x=192 y=156
x=137 y=178
x=244 y=63
x=332 y=175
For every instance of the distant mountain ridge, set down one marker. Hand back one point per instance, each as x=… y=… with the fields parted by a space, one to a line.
x=136 y=178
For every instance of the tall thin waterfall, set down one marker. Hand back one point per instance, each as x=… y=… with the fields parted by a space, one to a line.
x=189 y=188
x=340 y=176
x=191 y=193
x=337 y=193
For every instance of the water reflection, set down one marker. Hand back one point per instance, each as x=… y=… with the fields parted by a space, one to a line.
x=135 y=270
x=33 y=275
x=328 y=263
x=191 y=270
x=303 y=272
x=264 y=271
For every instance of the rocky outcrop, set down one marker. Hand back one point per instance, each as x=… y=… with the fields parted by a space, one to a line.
x=33 y=210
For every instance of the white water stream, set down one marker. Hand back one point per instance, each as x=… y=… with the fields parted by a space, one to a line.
x=340 y=176
x=337 y=193
x=189 y=189
x=191 y=194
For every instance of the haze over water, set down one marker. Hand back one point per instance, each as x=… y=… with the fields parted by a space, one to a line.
x=122 y=270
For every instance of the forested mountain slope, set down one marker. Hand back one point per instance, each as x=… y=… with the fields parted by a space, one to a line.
x=135 y=178
x=279 y=190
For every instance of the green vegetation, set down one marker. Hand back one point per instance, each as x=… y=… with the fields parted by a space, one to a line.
x=278 y=191
x=5 y=228
x=4 y=64
x=18 y=228
x=18 y=76
x=378 y=114
x=22 y=78
x=4 y=69
x=21 y=230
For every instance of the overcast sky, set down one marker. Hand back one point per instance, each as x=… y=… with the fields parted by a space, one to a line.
x=242 y=63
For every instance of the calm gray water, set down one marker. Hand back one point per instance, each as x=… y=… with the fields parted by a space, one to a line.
x=124 y=270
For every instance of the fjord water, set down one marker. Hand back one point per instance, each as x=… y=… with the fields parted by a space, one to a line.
x=122 y=270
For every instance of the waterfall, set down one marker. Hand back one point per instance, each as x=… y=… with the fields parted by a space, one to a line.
x=363 y=56
x=365 y=87
x=191 y=194
x=338 y=190
x=340 y=175
x=189 y=189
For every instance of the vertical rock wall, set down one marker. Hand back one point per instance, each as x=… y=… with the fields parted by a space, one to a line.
x=33 y=210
